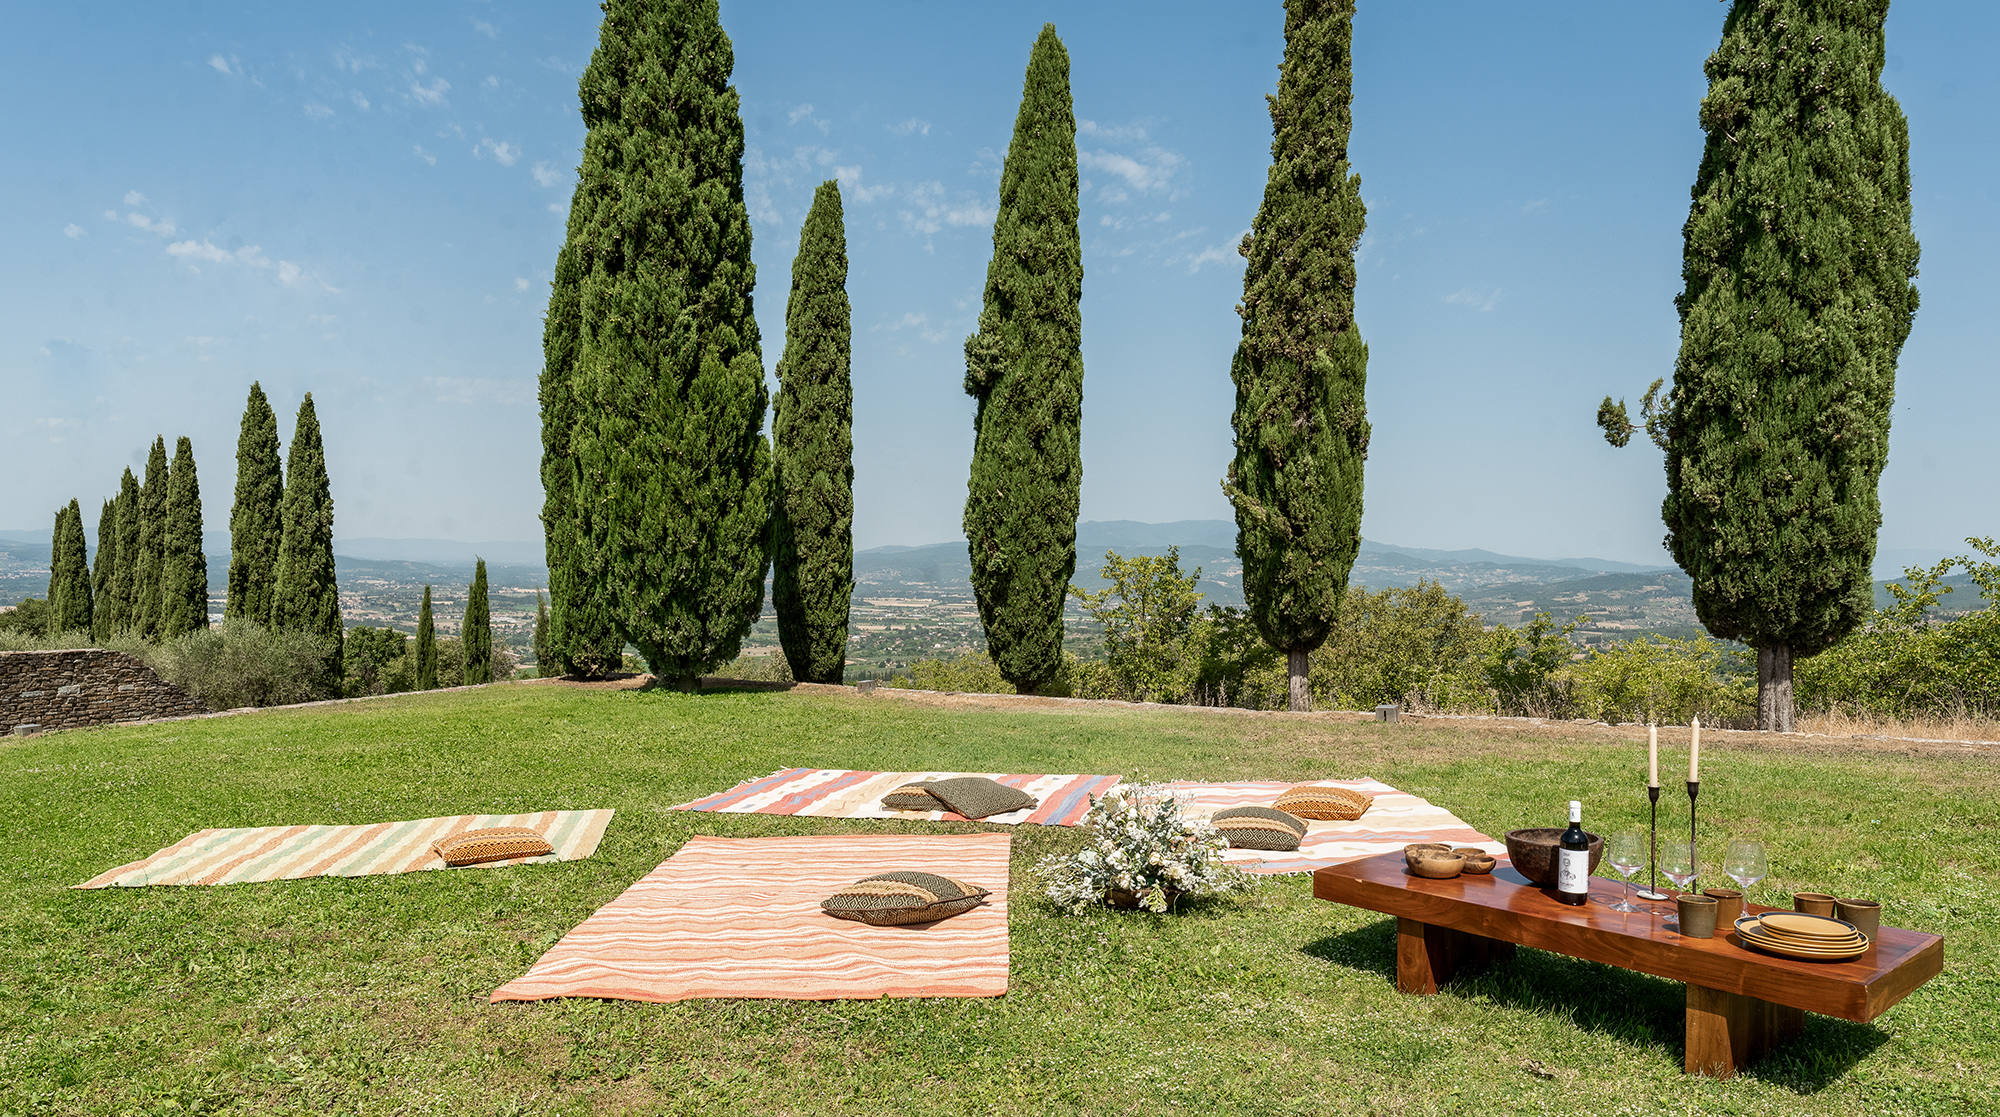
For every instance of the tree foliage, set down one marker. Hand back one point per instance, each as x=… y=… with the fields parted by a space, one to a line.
x=305 y=597
x=120 y=606
x=1155 y=638
x=145 y=620
x=183 y=567
x=1910 y=661
x=476 y=634
x=256 y=520
x=1024 y=366
x=427 y=648
x=69 y=574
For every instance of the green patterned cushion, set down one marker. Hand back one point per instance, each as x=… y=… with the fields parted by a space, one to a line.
x=894 y=899
x=977 y=796
x=913 y=797
x=1260 y=828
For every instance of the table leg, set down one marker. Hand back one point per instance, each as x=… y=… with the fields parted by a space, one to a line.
x=1427 y=956
x=1729 y=1031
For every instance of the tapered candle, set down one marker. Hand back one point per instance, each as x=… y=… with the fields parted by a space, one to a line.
x=1694 y=755
x=1652 y=756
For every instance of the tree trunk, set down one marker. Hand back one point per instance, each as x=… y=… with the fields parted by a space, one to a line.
x=1295 y=664
x=1774 y=688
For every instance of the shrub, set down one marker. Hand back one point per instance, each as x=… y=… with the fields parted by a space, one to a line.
x=971 y=673
x=1522 y=669
x=241 y=663
x=373 y=654
x=1654 y=679
x=1155 y=638
x=1908 y=663
x=1411 y=645
x=29 y=619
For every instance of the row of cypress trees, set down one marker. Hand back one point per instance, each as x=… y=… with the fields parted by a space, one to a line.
x=281 y=568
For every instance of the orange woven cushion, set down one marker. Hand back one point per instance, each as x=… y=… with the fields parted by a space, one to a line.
x=496 y=843
x=1343 y=804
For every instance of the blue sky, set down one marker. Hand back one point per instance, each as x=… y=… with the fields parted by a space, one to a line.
x=365 y=200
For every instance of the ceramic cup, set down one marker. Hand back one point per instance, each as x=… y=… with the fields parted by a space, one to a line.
x=1812 y=903
x=1697 y=916
x=1866 y=915
x=1728 y=904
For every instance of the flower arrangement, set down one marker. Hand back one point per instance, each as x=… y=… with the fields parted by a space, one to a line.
x=1140 y=844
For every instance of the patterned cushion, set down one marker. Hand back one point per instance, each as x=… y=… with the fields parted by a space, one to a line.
x=913 y=797
x=977 y=796
x=496 y=843
x=893 y=899
x=1260 y=828
x=1342 y=803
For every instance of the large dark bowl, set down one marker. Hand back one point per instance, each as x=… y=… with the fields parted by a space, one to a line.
x=1533 y=853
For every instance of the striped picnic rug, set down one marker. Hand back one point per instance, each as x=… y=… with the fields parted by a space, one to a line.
x=295 y=852
x=740 y=917
x=840 y=793
x=1394 y=820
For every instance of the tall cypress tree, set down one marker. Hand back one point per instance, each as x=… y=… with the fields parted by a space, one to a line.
x=103 y=573
x=256 y=524
x=475 y=636
x=69 y=574
x=152 y=525
x=427 y=648
x=183 y=567
x=1798 y=266
x=812 y=517
x=124 y=597
x=671 y=468
x=544 y=662
x=1025 y=367
x=305 y=597
x=1301 y=368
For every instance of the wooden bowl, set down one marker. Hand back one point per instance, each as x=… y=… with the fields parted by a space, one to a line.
x=1479 y=864
x=1533 y=852
x=1417 y=851
x=1440 y=866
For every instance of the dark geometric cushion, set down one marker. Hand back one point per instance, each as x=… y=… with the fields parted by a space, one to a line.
x=1260 y=828
x=977 y=796
x=913 y=797
x=894 y=899
x=1343 y=804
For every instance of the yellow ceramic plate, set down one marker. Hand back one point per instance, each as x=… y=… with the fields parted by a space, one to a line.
x=1748 y=931
x=1762 y=928
x=1807 y=926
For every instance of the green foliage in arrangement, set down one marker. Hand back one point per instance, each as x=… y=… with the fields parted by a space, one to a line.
x=1654 y=679
x=427 y=648
x=477 y=631
x=305 y=597
x=1797 y=265
x=1907 y=662
x=666 y=478
x=103 y=571
x=1155 y=637
x=256 y=519
x=1301 y=369
x=69 y=574
x=812 y=512
x=123 y=599
x=183 y=567
x=145 y=619
x=1024 y=366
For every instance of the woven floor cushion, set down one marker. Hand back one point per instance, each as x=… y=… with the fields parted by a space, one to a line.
x=896 y=899
x=913 y=797
x=495 y=843
x=1343 y=804
x=1260 y=828
x=977 y=796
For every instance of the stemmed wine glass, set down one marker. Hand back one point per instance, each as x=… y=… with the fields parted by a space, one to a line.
x=1626 y=851
x=1745 y=862
x=1679 y=867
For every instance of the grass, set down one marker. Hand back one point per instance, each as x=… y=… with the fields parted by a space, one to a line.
x=368 y=995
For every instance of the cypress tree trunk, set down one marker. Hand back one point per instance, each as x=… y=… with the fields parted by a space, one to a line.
x=69 y=574
x=427 y=648
x=183 y=568
x=124 y=603
x=1301 y=369
x=476 y=635
x=1798 y=263
x=812 y=517
x=255 y=522
x=668 y=440
x=103 y=572
x=152 y=526
x=1025 y=367
x=305 y=597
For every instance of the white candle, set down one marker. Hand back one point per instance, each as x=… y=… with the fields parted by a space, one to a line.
x=1652 y=756
x=1694 y=755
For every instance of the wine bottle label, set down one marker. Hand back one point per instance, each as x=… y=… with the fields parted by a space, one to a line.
x=1572 y=869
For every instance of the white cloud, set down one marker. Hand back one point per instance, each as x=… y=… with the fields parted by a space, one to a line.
x=805 y=113
x=1116 y=133
x=346 y=61
x=317 y=111
x=1149 y=172
x=912 y=126
x=249 y=256
x=431 y=95
x=485 y=28
x=1213 y=254
x=202 y=250
x=546 y=174
x=491 y=82
x=505 y=153
x=1475 y=297
x=425 y=155
x=220 y=64
x=134 y=198
x=932 y=211
x=850 y=182
x=557 y=208
x=74 y=232
x=141 y=221
x=360 y=102
x=520 y=284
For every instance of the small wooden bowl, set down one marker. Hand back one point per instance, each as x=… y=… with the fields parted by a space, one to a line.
x=1439 y=866
x=1479 y=864
x=1417 y=851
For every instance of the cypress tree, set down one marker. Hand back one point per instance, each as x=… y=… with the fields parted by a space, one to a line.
x=255 y=521
x=69 y=574
x=427 y=647
x=152 y=523
x=103 y=572
x=305 y=597
x=812 y=516
x=183 y=567
x=671 y=468
x=1797 y=264
x=475 y=636
x=543 y=662
x=1025 y=367
x=1301 y=368
x=124 y=596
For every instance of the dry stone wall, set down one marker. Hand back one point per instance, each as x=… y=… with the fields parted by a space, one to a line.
x=73 y=689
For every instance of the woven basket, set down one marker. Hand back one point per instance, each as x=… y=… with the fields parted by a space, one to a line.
x=1341 y=804
x=496 y=843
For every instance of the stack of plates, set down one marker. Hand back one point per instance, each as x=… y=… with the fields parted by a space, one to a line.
x=1796 y=935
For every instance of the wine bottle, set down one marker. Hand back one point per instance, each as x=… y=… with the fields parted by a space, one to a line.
x=1573 y=860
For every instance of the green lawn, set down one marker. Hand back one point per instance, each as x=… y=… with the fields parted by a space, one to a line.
x=368 y=995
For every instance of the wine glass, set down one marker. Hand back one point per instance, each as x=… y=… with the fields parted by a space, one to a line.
x=1745 y=862
x=1678 y=865
x=1626 y=851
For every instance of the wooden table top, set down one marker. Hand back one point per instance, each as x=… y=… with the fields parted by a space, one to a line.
x=1506 y=905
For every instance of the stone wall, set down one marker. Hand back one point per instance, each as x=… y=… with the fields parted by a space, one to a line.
x=73 y=689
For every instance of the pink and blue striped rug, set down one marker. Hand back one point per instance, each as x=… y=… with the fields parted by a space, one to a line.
x=843 y=793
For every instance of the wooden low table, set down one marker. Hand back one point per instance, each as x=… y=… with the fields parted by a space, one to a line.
x=1740 y=1002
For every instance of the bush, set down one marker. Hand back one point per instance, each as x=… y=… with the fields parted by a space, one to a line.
x=29 y=619
x=1408 y=645
x=1155 y=638
x=1907 y=663
x=971 y=673
x=240 y=663
x=1659 y=680
x=1522 y=669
